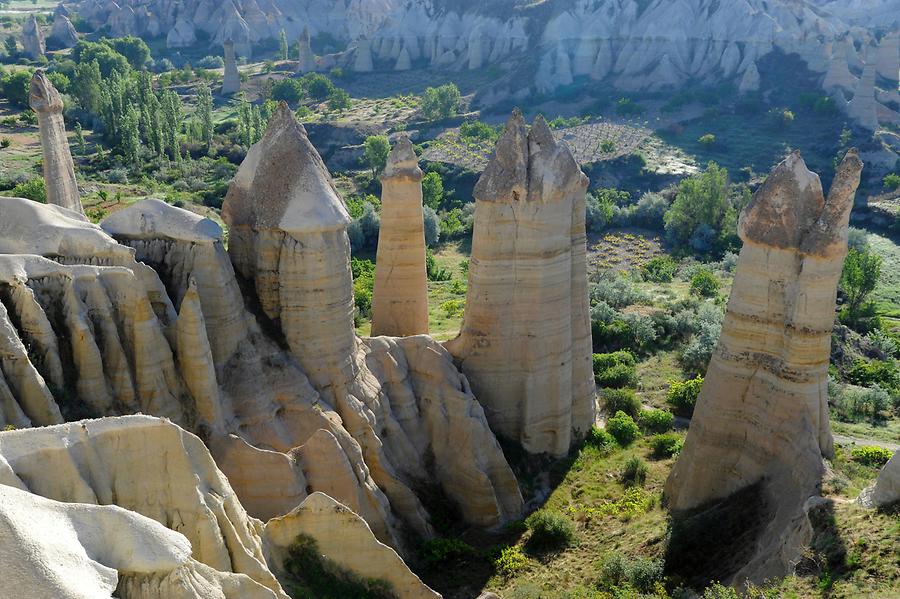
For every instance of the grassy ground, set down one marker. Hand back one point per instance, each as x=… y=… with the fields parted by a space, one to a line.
x=887 y=293
x=887 y=430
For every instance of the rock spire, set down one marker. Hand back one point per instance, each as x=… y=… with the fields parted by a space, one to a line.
x=33 y=39
x=231 y=82
x=307 y=60
x=63 y=33
x=59 y=170
x=525 y=339
x=762 y=415
x=400 y=296
x=362 y=62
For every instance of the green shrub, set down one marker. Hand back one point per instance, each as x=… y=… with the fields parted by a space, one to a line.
x=656 y=421
x=682 y=395
x=666 y=445
x=309 y=574
x=33 y=189
x=510 y=561
x=605 y=361
x=635 y=472
x=618 y=572
x=617 y=377
x=883 y=373
x=600 y=439
x=704 y=283
x=892 y=181
x=621 y=400
x=437 y=552
x=623 y=428
x=707 y=140
x=660 y=269
x=719 y=591
x=550 y=531
x=871 y=455
x=855 y=405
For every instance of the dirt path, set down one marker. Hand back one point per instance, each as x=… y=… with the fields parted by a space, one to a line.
x=842 y=440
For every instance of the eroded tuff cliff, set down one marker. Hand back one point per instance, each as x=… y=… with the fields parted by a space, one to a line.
x=525 y=338
x=136 y=506
x=761 y=420
x=400 y=294
x=288 y=241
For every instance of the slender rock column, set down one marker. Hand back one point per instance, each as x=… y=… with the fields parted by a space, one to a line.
x=524 y=343
x=400 y=297
x=59 y=170
x=33 y=39
x=362 y=63
x=307 y=60
x=231 y=83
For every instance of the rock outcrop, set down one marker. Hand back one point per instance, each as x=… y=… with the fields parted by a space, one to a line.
x=131 y=503
x=307 y=60
x=886 y=490
x=751 y=80
x=59 y=170
x=400 y=295
x=63 y=33
x=863 y=107
x=33 y=39
x=231 y=81
x=362 y=61
x=288 y=242
x=525 y=338
x=762 y=415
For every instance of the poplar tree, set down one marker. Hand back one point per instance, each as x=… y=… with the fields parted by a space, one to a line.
x=204 y=114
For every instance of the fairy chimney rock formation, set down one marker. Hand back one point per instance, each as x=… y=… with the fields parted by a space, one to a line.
x=231 y=82
x=750 y=81
x=33 y=39
x=288 y=237
x=400 y=295
x=307 y=60
x=889 y=58
x=525 y=339
x=362 y=62
x=59 y=170
x=863 y=108
x=404 y=63
x=762 y=415
x=886 y=490
x=63 y=33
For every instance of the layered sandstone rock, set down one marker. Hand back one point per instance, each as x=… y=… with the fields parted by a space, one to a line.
x=146 y=511
x=307 y=60
x=59 y=170
x=33 y=39
x=231 y=82
x=288 y=241
x=345 y=539
x=400 y=295
x=525 y=339
x=762 y=415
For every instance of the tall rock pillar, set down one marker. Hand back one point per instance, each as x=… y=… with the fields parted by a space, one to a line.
x=525 y=338
x=400 y=296
x=288 y=237
x=307 y=60
x=33 y=39
x=59 y=170
x=762 y=415
x=362 y=62
x=231 y=82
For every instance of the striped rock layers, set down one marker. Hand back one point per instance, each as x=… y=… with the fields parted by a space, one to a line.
x=59 y=170
x=400 y=296
x=525 y=339
x=762 y=415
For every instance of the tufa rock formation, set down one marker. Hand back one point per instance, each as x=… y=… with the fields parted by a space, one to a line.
x=402 y=399
x=886 y=490
x=63 y=33
x=863 y=107
x=307 y=60
x=33 y=39
x=362 y=61
x=525 y=339
x=59 y=170
x=761 y=420
x=231 y=82
x=400 y=295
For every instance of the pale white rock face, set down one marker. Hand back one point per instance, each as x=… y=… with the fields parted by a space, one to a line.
x=525 y=337
x=345 y=539
x=63 y=32
x=307 y=60
x=403 y=60
x=750 y=82
x=888 y=58
x=288 y=240
x=362 y=61
x=886 y=490
x=863 y=107
x=400 y=294
x=181 y=35
x=163 y=501
x=762 y=415
x=231 y=82
x=839 y=75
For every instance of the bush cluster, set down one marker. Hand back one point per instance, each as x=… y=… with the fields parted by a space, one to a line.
x=871 y=455
x=623 y=428
x=615 y=370
x=622 y=576
x=666 y=445
x=621 y=400
x=550 y=531
x=682 y=395
x=656 y=421
x=635 y=472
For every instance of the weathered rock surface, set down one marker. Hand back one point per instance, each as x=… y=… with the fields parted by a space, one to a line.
x=345 y=539
x=59 y=170
x=525 y=338
x=144 y=510
x=63 y=33
x=231 y=81
x=288 y=241
x=886 y=490
x=762 y=415
x=307 y=60
x=33 y=39
x=400 y=295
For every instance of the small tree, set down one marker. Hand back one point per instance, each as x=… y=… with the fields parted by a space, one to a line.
x=376 y=151
x=79 y=139
x=707 y=140
x=432 y=190
x=204 y=114
x=440 y=102
x=339 y=100
x=892 y=181
x=862 y=270
x=283 y=45
x=704 y=283
x=12 y=49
